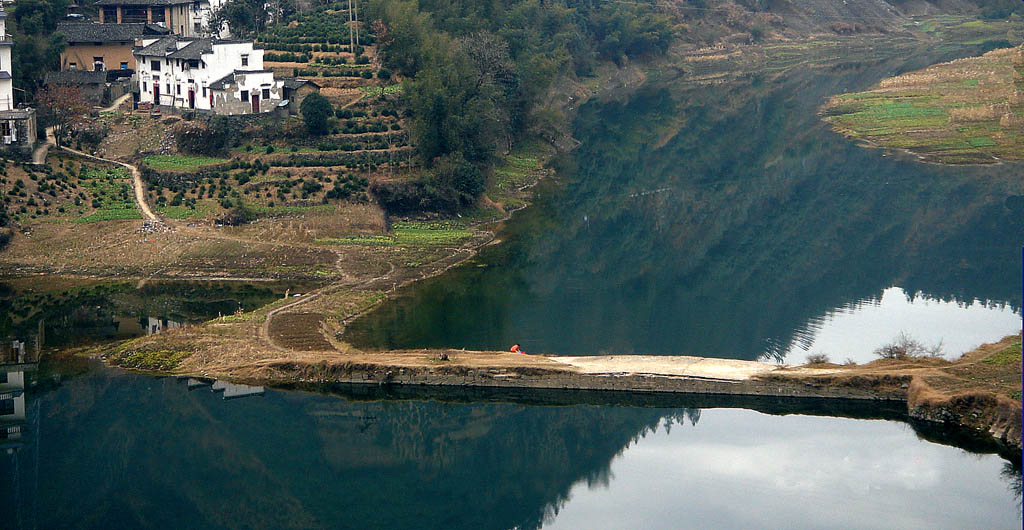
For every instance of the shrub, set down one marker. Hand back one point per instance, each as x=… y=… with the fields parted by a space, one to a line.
x=316 y=112
x=234 y=216
x=384 y=74
x=904 y=346
x=817 y=358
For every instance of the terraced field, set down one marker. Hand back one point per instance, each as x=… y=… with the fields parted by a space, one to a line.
x=968 y=111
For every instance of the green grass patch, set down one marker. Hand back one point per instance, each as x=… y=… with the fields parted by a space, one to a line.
x=180 y=162
x=376 y=91
x=368 y=240
x=160 y=360
x=980 y=141
x=426 y=236
x=110 y=194
x=1011 y=355
x=281 y=210
x=109 y=215
x=411 y=234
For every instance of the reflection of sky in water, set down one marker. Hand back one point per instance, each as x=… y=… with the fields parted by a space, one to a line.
x=743 y=469
x=854 y=331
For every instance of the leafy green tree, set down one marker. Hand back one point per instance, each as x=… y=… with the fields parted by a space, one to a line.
x=316 y=112
x=36 y=45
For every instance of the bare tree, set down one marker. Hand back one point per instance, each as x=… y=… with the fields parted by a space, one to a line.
x=64 y=106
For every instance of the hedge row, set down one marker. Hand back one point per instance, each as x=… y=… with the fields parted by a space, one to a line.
x=339 y=72
x=346 y=159
x=286 y=57
x=177 y=179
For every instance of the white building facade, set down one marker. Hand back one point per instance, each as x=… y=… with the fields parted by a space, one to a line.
x=6 y=82
x=17 y=125
x=219 y=76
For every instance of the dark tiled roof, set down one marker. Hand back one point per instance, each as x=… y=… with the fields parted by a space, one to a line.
x=159 y=48
x=17 y=114
x=87 y=32
x=193 y=50
x=295 y=82
x=76 y=77
x=142 y=2
x=5 y=75
x=223 y=82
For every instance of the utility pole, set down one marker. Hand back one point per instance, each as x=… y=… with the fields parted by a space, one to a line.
x=351 y=40
x=356 y=14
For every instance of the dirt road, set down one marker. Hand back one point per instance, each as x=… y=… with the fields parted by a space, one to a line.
x=137 y=185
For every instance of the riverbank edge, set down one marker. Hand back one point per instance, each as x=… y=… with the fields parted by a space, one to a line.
x=976 y=415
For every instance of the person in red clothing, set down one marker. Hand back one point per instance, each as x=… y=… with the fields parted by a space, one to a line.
x=515 y=349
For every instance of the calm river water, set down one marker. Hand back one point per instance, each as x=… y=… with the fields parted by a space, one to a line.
x=105 y=449
x=704 y=219
x=727 y=220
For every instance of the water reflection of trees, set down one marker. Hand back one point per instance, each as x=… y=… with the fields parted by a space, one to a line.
x=718 y=220
x=139 y=451
x=73 y=312
x=1011 y=473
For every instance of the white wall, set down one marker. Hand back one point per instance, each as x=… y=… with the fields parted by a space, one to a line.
x=220 y=62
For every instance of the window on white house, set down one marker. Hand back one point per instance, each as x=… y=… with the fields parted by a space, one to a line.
x=245 y=60
x=155 y=65
x=144 y=89
x=266 y=93
x=204 y=92
x=245 y=95
x=168 y=87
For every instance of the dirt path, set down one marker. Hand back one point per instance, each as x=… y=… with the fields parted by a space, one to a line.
x=140 y=189
x=117 y=103
x=39 y=154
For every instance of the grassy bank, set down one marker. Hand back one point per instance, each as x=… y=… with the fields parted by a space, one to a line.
x=967 y=111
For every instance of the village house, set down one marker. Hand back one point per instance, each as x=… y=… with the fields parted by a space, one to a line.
x=219 y=76
x=17 y=125
x=101 y=47
x=294 y=90
x=187 y=18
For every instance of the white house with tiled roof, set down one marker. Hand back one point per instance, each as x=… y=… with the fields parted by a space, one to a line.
x=220 y=76
x=17 y=125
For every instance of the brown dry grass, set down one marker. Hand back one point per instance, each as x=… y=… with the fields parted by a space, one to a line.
x=974 y=372
x=979 y=113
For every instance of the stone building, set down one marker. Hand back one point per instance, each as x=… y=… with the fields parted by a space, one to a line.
x=98 y=88
x=186 y=18
x=294 y=90
x=101 y=47
x=219 y=76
